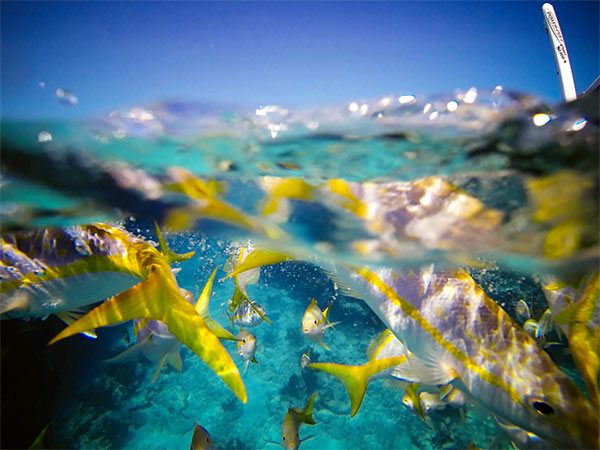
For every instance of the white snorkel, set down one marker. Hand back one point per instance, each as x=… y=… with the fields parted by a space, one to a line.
x=561 y=57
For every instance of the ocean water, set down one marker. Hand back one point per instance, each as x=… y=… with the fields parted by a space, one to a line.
x=530 y=171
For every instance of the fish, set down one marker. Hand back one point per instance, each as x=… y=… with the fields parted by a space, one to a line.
x=246 y=347
x=431 y=401
x=315 y=323
x=246 y=278
x=279 y=192
x=246 y=313
x=249 y=315
x=305 y=359
x=204 y=202
x=539 y=329
x=453 y=396
x=294 y=418
x=424 y=402
x=581 y=322
x=158 y=345
x=58 y=269
x=201 y=439
x=457 y=334
x=411 y=400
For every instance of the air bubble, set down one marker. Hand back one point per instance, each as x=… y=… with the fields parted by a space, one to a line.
x=44 y=136
x=66 y=97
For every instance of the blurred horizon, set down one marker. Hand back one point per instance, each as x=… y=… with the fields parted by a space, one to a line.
x=111 y=55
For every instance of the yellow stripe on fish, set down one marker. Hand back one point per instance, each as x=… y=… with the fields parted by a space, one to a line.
x=458 y=333
x=109 y=250
x=413 y=313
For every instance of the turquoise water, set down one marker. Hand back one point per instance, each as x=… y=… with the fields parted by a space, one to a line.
x=115 y=169
x=118 y=407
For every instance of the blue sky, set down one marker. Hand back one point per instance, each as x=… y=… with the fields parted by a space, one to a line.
x=114 y=54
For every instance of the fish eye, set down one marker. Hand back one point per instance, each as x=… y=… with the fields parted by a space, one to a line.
x=540 y=406
x=315 y=322
x=284 y=438
x=244 y=341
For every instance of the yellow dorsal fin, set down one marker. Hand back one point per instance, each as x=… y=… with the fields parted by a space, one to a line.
x=204 y=297
x=259 y=258
x=378 y=343
x=446 y=390
x=325 y=312
x=167 y=252
x=306 y=416
x=356 y=378
x=157 y=298
x=203 y=310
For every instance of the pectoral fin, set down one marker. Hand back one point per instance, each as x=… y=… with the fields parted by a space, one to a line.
x=130 y=352
x=331 y=325
x=174 y=360
x=157 y=299
x=427 y=373
x=159 y=367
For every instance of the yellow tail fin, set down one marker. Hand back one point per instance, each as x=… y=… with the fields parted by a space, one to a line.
x=356 y=378
x=156 y=299
x=306 y=416
x=167 y=252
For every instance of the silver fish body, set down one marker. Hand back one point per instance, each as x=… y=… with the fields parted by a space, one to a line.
x=246 y=316
x=47 y=271
x=457 y=334
x=159 y=341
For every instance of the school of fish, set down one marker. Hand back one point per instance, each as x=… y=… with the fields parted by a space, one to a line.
x=447 y=343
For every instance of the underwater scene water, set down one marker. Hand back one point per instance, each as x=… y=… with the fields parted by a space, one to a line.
x=466 y=224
